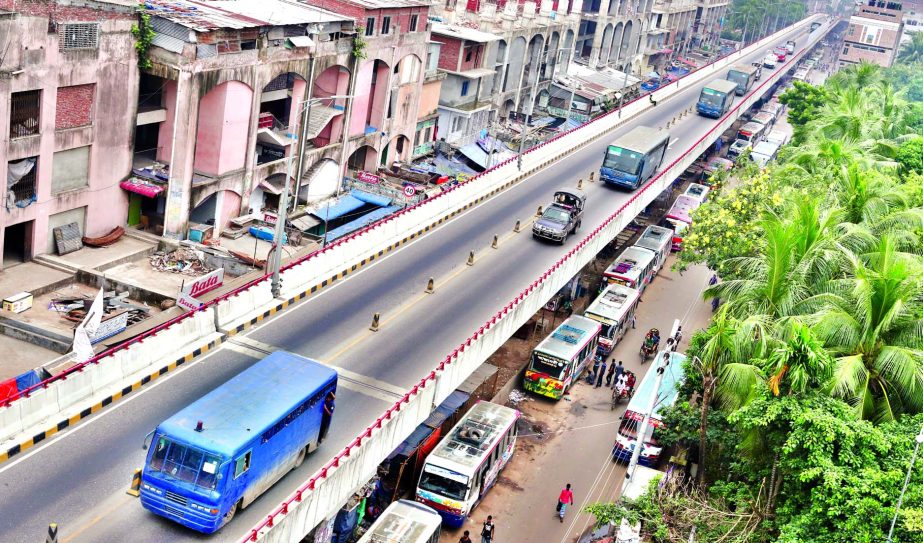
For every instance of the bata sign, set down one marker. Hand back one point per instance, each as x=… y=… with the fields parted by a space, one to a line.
x=367 y=177
x=206 y=283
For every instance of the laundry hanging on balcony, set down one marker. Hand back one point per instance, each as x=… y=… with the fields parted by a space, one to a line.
x=14 y=174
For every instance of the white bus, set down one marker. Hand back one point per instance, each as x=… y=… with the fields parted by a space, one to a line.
x=614 y=309
x=633 y=268
x=466 y=463
x=657 y=239
x=557 y=362
x=405 y=521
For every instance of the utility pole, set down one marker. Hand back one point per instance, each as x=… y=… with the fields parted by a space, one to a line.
x=665 y=357
x=900 y=500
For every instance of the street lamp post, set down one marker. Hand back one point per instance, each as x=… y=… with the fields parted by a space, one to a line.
x=900 y=500
x=275 y=263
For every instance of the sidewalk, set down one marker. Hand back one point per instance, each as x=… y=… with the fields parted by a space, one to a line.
x=570 y=441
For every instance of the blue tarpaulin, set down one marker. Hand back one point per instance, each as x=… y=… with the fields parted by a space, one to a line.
x=474 y=153
x=344 y=205
x=27 y=379
x=369 y=198
x=446 y=409
x=361 y=222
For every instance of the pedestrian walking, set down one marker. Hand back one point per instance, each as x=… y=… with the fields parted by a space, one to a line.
x=489 y=531
x=595 y=371
x=609 y=375
x=619 y=370
x=632 y=322
x=465 y=538
x=566 y=497
x=601 y=374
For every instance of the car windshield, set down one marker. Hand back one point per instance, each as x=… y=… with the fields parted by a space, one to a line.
x=185 y=463
x=438 y=483
x=556 y=214
x=711 y=97
x=623 y=160
x=553 y=367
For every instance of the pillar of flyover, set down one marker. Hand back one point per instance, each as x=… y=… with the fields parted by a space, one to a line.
x=182 y=155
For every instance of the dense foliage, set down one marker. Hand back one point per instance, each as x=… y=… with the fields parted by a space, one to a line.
x=805 y=392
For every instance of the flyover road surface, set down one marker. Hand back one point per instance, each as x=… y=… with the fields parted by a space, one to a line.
x=78 y=478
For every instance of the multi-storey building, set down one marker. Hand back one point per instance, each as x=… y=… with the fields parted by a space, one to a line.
x=677 y=18
x=507 y=53
x=68 y=88
x=709 y=15
x=428 y=112
x=234 y=92
x=873 y=34
x=611 y=33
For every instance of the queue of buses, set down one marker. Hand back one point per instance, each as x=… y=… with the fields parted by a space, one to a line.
x=220 y=453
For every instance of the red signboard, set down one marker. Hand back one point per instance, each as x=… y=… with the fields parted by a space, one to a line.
x=369 y=178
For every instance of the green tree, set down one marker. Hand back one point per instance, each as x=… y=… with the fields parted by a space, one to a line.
x=871 y=322
x=910 y=156
x=912 y=51
x=803 y=101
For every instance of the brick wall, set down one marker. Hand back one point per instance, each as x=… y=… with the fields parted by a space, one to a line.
x=476 y=51
x=75 y=105
x=448 y=55
x=63 y=13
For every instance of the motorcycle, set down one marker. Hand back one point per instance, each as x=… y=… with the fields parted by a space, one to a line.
x=649 y=347
x=624 y=393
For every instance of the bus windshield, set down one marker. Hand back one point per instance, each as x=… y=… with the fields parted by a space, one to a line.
x=738 y=77
x=444 y=483
x=553 y=367
x=623 y=160
x=711 y=97
x=629 y=429
x=185 y=463
x=608 y=331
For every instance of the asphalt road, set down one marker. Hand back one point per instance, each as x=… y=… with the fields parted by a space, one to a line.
x=78 y=478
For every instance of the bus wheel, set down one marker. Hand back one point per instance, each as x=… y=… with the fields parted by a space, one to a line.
x=231 y=512
x=300 y=460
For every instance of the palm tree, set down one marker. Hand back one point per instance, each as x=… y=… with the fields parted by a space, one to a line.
x=870 y=321
x=725 y=373
x=912 y=51
x=799 y=361
x=797 y=254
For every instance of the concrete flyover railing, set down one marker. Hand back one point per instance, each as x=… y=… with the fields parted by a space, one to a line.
x=24 y=413
x=319 y=497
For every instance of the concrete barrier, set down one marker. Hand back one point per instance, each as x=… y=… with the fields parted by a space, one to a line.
x=326 y=490
x=241 y=306
x=83 y=391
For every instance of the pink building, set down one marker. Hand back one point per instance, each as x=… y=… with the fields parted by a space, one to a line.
x=235 y=90
x=874 y=34
x=68 y=87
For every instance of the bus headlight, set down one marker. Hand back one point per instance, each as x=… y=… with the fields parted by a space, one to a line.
x=204 y=508
x=153 y=489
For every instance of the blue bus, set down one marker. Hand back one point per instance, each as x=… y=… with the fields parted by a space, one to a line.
x=716 y=98
x=221 y=452
x=635 y=157
x=627 y=437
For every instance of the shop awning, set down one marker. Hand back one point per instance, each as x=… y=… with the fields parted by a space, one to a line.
x=361 y=222
x=339 y=208
x=139 y=186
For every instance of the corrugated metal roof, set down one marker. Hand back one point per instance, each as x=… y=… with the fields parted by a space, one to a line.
x=204 y=16
x=361 y=222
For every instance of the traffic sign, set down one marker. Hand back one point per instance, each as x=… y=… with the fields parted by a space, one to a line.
x=410 y=191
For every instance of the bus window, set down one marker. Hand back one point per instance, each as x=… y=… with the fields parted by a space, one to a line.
x=242 y=464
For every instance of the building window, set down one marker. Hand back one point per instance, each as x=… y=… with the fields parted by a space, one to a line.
x=464 y=89
x=78 y=36
x=21 y=182
x=413 y=23
x=468 y=54
x=370 y=26
x=385 y=26
x=74 y=106
x=25 y=113
x=70 y=169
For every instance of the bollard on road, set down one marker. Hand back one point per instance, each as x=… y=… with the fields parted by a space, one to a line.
x=375 y=320
x=494 y=243
x=471 y=258
x=539 y=212
x=135 y=488
x=517 y=227
x=430 y=286
x=52 y=536
x=580 y=184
